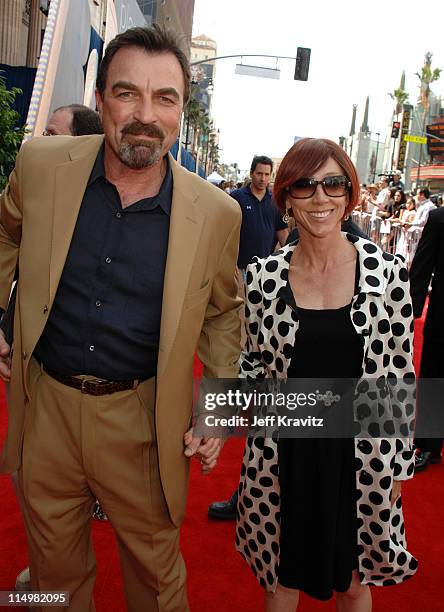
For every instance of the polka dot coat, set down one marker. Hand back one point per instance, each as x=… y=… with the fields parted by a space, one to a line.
x=381 y=314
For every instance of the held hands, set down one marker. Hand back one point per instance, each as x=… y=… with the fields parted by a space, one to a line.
x=5 y=361
x=205 y=449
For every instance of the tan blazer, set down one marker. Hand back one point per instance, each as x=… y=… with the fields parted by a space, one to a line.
x=38 y=213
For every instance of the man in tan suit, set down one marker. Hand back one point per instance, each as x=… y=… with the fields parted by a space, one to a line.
x=127 y=266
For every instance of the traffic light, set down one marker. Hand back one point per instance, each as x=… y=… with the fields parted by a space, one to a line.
x=395 y=129
x=302 y=64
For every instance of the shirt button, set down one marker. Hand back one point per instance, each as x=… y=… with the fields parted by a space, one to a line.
x=45 y=309
x=108 y=260
x=25 y=355
x=118 y=215
x=98 y=303
x=92 y=347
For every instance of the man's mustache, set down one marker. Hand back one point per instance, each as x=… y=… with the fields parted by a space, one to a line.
x=143 y=129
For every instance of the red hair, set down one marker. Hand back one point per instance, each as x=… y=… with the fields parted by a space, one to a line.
x=304 y=158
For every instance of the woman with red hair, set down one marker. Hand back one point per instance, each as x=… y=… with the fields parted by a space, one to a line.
x=324 y=515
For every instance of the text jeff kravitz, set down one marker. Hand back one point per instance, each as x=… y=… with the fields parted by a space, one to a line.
x=270 y=420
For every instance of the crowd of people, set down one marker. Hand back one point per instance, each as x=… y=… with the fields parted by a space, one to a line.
x=393 y=218
x=129 y=265
x=229 y=186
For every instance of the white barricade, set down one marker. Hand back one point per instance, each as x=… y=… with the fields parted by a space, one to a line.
x=390 y=235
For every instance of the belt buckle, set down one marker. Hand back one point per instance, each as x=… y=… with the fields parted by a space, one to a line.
x=94 y=384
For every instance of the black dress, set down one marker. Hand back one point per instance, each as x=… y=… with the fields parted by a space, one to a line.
x=318 y=542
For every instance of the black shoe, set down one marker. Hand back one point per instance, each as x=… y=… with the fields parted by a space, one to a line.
x=224 y=510
x=425 y=458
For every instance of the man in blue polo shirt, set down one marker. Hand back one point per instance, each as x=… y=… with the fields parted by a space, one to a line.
x=262 y=225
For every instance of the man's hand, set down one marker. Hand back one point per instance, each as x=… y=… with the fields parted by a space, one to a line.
x=5 y=361
x=205 y=449
x=396 y=491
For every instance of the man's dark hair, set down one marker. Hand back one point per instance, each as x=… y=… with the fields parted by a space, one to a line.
x=155 y=40
x=84 y=120
x=425 y=191
x=261 y=159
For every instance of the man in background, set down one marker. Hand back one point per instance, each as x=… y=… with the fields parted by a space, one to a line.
x=428 y=261
x=383 y=197
x=70 y=120
x=423 y=208
x=396 y=181
x=262 y=225
x=73 y=120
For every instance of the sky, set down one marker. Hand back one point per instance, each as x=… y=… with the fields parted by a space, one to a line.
x=358 y=49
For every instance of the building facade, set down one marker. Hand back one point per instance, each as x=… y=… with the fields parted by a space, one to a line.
x=364 y=147
x=22 y=25
x=423 y=168
x=73 y=46
x=174 y=14
x=23 y=22
x=203 y=74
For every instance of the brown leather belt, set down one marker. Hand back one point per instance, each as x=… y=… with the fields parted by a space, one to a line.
x=94 y=386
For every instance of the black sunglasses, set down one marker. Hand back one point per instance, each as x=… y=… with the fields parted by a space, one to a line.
x=333 y=186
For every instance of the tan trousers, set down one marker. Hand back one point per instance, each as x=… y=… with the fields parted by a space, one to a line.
x=78 y=447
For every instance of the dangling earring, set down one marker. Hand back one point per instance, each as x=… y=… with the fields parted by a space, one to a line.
x=286 y=216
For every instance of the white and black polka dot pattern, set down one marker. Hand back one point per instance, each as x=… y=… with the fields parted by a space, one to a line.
x=382 y=314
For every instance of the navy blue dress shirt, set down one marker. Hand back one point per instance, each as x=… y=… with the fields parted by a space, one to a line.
x=105 y=320
x=261 y=219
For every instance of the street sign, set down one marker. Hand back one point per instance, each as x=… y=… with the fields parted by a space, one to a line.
x=435 y=144
x=417 y=139
x=258 y=71
x=402 y=150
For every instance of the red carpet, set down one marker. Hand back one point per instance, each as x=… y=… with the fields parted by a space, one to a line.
x=218 y=578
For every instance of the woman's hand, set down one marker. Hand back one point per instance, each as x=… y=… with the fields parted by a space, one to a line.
x=396 y=491
x=207 y=450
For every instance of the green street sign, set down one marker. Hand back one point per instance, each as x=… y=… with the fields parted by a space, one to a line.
x=417 y=139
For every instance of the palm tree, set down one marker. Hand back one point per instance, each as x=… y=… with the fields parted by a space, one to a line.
x=207 y=128
x=426 y=77
x=199 y=126
x=400 y=95
x=196 y=119
x=192 y=113
x=213 y=152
